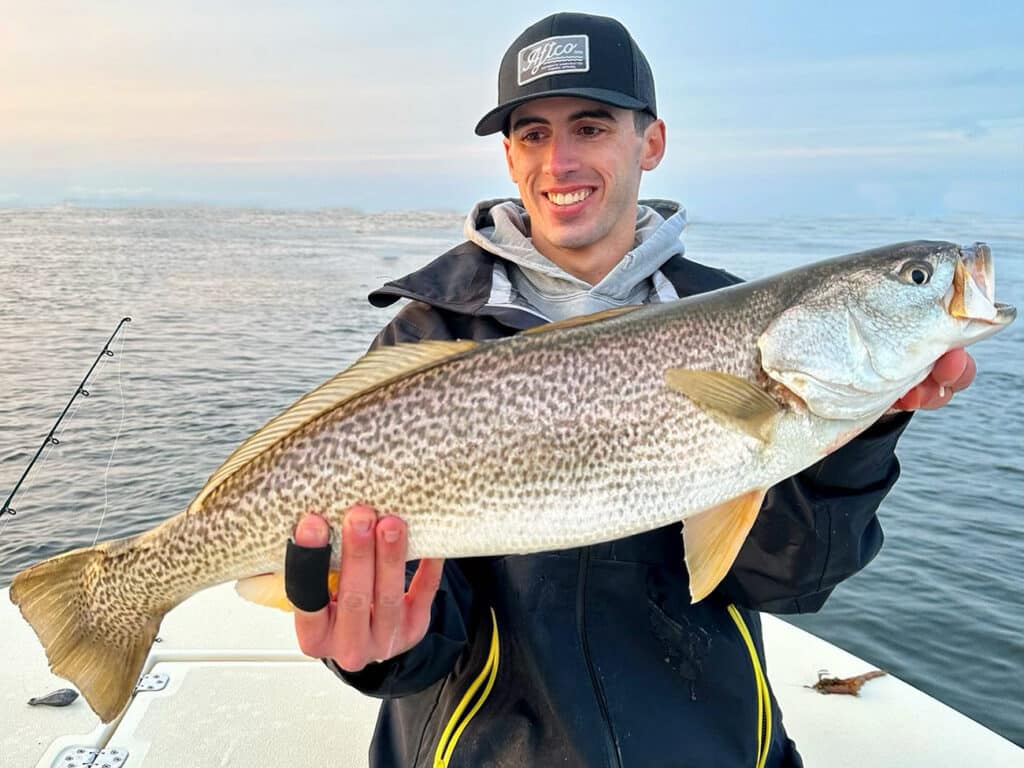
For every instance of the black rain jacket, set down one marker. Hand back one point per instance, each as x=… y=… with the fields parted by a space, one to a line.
x=594 y=656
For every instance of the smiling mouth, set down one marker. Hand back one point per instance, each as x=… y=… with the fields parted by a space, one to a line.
x=569 y=198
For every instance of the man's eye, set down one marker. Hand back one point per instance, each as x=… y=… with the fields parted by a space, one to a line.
x=530 y=136
x=590 y=130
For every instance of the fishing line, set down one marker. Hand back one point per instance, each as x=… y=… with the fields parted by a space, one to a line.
x=113 y=448
x=59 y=436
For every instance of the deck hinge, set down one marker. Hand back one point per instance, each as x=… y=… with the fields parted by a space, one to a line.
x=90 y=757
x=155 y=681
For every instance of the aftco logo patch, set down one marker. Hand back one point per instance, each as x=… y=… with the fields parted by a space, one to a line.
x=554 y=56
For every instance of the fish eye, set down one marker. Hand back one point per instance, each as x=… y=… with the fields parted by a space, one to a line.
x=916 y=272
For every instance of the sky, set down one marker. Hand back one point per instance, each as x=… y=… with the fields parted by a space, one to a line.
x=772 y=108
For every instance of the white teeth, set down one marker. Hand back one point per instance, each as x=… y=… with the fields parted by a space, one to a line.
x=569 y=198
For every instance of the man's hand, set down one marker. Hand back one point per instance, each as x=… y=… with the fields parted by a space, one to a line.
x=953 y=371
x=374 y=617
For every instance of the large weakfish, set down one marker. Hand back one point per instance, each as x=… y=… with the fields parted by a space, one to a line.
x=601 y=427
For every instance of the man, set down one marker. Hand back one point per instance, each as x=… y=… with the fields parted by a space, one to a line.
x=594 y=656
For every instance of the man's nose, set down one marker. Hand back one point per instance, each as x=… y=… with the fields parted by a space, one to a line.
x=562 y=156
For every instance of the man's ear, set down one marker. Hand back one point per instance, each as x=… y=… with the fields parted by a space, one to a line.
x=508 y=159
x=654 y=145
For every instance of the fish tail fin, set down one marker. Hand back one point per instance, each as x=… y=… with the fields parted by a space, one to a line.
x=96 y=633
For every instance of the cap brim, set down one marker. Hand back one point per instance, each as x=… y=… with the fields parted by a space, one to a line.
x=494 y=121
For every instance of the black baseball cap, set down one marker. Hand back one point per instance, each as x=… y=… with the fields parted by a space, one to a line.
x=572 y=54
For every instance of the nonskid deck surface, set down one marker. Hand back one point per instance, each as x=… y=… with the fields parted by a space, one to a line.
x=240 y=693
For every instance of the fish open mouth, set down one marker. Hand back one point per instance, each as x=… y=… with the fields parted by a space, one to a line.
x=972 y=294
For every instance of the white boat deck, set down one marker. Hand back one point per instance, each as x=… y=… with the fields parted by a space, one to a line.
x=239 y=693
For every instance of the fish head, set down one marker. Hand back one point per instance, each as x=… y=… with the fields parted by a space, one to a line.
x=860 y=331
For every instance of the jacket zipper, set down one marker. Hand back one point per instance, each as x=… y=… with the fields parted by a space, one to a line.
x=611 y=744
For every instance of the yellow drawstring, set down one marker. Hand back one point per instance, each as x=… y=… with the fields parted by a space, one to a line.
x=452 y=731
x=764 y=702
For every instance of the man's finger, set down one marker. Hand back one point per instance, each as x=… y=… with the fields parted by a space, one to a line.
x=916 y=397
x=941 y=397
x=355 y=588
x=950 y=367
x=420 y=596
x=967 y=377
x=389 y=587
x=307 y=564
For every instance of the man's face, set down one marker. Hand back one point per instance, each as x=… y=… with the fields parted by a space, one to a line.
x=578 y=165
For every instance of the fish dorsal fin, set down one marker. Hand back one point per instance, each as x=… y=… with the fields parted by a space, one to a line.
x=739 y=402
x=372 y=371
x=572 y=322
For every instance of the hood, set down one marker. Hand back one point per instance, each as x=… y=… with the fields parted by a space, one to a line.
x=529 y=279
x=470 y=280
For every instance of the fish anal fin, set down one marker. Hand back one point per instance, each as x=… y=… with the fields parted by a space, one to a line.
x=268 y=589
x=731 y=398
x=712 y=540
x=373 y=370
x=573 y=322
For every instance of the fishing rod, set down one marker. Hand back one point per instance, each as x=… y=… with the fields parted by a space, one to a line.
x=7 y=509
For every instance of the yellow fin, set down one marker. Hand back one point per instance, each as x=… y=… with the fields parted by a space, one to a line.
x=99 y=646
x=372 y=371
x=713 y=538
x=572 y=322
x=737 y=400
x=268 y=589
x=265 y=589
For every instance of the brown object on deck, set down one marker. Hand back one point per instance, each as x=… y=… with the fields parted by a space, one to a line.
x=848 y=685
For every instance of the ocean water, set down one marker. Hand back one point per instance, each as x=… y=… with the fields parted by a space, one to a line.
x=235 y=313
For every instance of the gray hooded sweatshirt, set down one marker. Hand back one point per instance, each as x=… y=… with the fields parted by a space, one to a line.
x=536 y=283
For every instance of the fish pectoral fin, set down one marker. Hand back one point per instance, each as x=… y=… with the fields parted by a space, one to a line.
x=712 y=540
x=268 y=589
x=729 y=397
x=265 y=589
